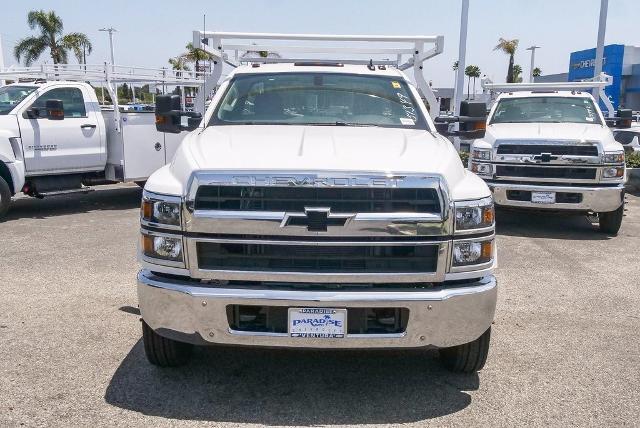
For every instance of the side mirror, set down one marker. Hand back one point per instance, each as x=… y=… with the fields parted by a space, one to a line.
x=472 y=121
x=55 y=109
x=169 y=117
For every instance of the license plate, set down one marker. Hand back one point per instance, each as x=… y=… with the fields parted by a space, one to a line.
x=543 y=197
x=317 y=322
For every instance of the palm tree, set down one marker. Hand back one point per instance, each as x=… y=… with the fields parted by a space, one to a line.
x=537 y=72
x=179 y=64
x=517 y=73
x=472 y=71
x=195 y=55
x=50 y=27
x=455 y=66
x=509 y=47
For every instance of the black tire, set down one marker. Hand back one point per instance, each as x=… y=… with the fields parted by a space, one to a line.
x=164 y=352
x=610 y=222
x=467 y=358
x=141 y=183
x=5 y=197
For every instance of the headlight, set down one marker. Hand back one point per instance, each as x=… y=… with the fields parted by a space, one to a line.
x=481 y=154
x=613 y=157
x=472 y=253
x=476 y=214
x=613 y=172
x=164 y=210
x=162 y=247
x=482 y=168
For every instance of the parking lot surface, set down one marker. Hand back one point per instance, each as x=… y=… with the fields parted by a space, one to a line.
x=565 y=344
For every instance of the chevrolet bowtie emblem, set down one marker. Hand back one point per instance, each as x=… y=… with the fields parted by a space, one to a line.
x=315 y=219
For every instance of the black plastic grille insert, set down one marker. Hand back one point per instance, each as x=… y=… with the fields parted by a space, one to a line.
x=546 y=172
x=317 y=258
x=556 y=150
x=295 y=199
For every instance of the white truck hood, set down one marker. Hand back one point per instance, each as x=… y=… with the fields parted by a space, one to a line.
x=321 y=148
x=262 y=148
x=547 y=131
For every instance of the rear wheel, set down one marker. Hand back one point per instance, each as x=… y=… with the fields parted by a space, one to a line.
x=5 y=197
x=164 y=352
x=141 y=183
x=469 y=357
x=610 y=222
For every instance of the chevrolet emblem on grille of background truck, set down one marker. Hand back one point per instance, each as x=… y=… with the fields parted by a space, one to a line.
x=315 y=219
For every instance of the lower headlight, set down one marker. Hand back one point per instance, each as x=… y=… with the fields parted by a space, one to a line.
x=472 y=252
x=613 y=172
x=162 y=247
x=482 y=168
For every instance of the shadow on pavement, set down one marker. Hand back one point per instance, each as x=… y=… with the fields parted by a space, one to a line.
x=539 y=224
x=292 y=387
x=119 y=198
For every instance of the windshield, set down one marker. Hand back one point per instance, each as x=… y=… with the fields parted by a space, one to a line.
x=318 y=99
x=10 y=96
x=546 y=110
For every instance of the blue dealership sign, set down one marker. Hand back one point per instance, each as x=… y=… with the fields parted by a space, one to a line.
x=581 y=67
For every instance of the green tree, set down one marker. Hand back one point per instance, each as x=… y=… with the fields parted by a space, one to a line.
x=517 y=73
x=454 y=67
x=509 y=47
x=50 y=37
x=537 y=72
x=472 y=72
x=195 y=55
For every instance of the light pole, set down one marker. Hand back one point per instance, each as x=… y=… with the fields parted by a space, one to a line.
x=533 y=60
x=110 y=30
x=602 y=29
x=2 y=82
x=462 y=53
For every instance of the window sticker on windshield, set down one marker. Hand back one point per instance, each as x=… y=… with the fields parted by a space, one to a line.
x=590 y=113
x=407 y=121
x=395 y=85
x=407 y=105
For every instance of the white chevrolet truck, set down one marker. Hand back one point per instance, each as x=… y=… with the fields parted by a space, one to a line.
x=316 y=206
x=549 y=147
x=56 y=139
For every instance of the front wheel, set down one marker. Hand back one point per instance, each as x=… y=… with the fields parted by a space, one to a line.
x=469 y=357
x=164 y=352
x=610 y=222
x=5 y=197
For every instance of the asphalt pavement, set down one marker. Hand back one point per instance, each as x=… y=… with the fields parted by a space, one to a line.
x=565 y=345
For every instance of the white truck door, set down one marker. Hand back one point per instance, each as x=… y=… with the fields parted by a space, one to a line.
x=59 y=146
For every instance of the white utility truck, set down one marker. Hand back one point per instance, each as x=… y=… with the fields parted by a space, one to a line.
x=55 y=138
x=548 y=146
x=316 y=206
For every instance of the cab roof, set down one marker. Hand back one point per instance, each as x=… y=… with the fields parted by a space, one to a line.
x=311 y=66
x=545 y=93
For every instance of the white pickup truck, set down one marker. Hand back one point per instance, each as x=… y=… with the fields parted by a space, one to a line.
x=56 y=139
x=552 y=150
x=316 y=206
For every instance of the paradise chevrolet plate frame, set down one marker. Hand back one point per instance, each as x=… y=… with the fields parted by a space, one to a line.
x=543 y=197
x=325 y=323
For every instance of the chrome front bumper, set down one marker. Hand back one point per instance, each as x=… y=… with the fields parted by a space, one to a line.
x=190 y=312
x=596 y=199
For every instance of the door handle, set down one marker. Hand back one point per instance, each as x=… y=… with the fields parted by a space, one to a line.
x=88 y=125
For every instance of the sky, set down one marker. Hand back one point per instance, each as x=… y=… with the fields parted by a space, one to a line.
x=150 y=32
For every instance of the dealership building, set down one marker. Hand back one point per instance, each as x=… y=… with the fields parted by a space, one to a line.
x=619 y=61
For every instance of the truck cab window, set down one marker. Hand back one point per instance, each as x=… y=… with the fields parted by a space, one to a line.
x=72 y=101
x=10 y=96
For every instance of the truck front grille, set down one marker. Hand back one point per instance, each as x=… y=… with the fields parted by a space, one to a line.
x=546 y=172
x=557 y=150
x=295 y=199
x=313 y=258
